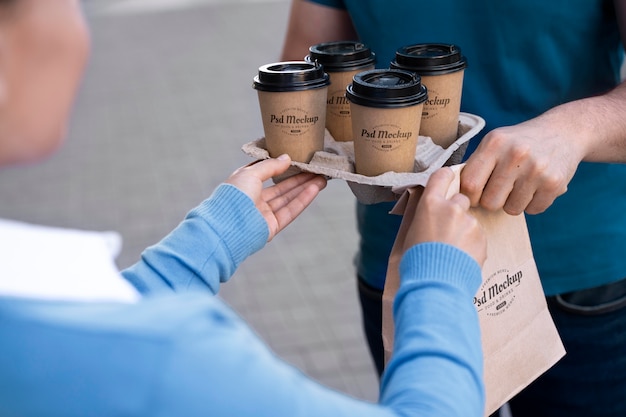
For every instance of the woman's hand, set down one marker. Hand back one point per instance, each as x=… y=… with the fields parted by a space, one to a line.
x=446 y=220
x=281 y=203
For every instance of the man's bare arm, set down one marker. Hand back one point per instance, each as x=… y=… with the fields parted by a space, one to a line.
x=310 y=24
x=525 y=167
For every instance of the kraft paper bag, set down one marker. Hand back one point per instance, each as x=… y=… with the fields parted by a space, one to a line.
x=519 y=338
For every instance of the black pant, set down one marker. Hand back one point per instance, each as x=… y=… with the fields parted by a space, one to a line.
x=372 y=308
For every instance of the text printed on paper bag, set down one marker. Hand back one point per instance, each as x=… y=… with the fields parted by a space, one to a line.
x=497 y=293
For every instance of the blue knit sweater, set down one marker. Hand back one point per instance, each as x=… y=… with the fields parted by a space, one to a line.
x=180 y=351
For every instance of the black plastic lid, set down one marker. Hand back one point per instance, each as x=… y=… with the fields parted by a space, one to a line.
x=291 y=76
x=341 y=55
x=386 y=88
x=430 y=58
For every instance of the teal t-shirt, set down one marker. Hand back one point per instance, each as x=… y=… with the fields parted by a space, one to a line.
x=524 y=57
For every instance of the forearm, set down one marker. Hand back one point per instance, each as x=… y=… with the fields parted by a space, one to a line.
x=599 y=122
x=594 y=127
x=436 y=367
x=310 y=24
x=205 y=249
x=606 y=125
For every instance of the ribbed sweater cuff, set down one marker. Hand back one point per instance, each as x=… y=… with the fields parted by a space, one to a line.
x=233 y=215
x=441 y=262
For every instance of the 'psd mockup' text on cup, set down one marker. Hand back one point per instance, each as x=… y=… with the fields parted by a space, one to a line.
x=386 y=107
x=342 y=60
x=292 y=99
x=441 y=67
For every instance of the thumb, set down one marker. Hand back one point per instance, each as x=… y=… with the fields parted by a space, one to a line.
x=267 y=168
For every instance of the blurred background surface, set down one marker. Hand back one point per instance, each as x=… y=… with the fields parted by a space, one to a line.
x=164 y=109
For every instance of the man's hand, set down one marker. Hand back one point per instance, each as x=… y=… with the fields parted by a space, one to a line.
x=521 y=168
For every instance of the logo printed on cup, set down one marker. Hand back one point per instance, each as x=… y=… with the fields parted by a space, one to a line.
x=341 y=60
x=294 y=121
x=386 y=137
x=292 y=98
x=434 y=103
x=338 y=104
x=441 y=67
x=386 y=108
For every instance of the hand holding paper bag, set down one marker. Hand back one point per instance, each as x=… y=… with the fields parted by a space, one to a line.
x=448 y=218
x=511 y=306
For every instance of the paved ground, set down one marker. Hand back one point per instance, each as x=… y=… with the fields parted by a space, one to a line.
x=162 y=114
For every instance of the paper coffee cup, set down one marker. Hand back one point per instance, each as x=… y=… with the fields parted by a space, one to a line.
x=441 y=67
x=342 y=60
x=386 y=107
x=292 y=99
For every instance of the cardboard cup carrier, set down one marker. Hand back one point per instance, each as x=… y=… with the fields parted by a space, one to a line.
x=441 y=67
x=342 y=60
x=292 y=100
x=386 y=108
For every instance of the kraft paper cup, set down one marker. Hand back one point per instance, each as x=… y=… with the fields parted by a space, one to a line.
x=386 y=107
x=292 y=99
x=342 y=60
x=441 y=67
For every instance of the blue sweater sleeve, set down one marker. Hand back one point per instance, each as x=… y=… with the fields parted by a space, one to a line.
x=437 y=364
x=190 y=355
x=205 y=249
x=436 y=368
